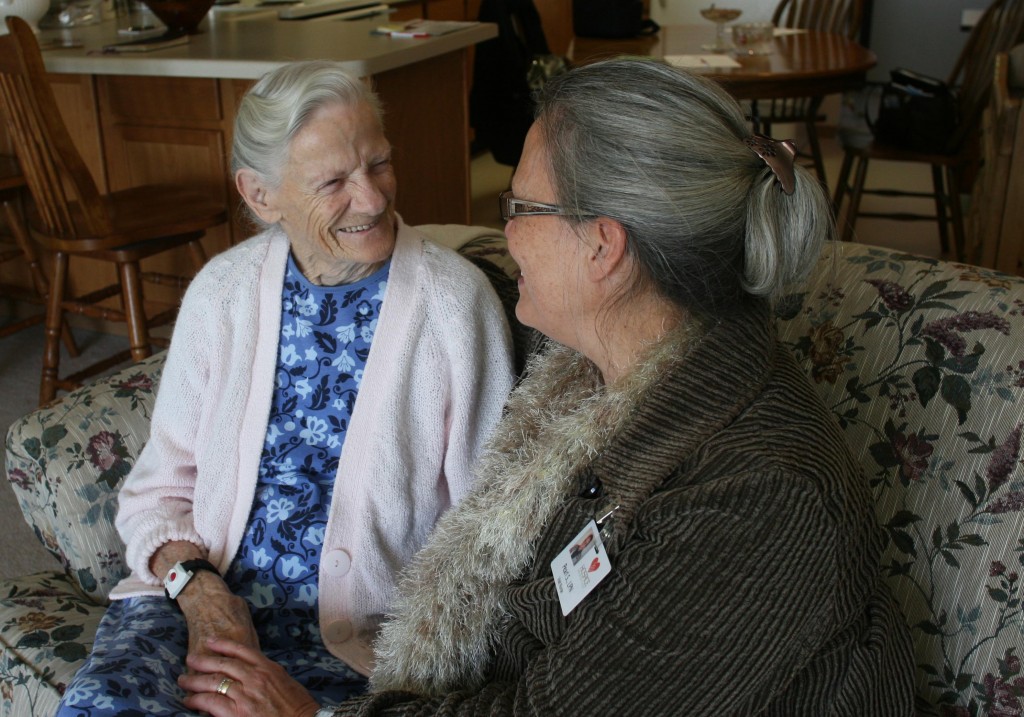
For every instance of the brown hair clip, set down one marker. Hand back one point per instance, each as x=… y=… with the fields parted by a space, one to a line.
x=779 y=156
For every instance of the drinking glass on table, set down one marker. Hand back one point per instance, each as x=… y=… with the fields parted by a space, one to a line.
x=753 y=38
x=720 y=16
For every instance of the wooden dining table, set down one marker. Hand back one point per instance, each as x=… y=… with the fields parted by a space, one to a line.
x=802 y=63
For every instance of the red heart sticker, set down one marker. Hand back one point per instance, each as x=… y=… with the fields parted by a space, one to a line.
x=594 y=565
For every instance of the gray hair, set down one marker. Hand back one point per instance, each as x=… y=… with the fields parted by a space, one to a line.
x=280 y=104
x=662 y=152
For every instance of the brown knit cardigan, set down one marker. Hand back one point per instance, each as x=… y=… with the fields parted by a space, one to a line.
x=745 y=577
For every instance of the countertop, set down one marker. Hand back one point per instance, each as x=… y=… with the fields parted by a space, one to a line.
x=247 y=44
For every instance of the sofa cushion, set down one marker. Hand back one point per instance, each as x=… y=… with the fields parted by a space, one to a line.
x=922 y=363
x=46 y=631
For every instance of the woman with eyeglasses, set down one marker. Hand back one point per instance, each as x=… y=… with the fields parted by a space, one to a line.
x=733 y=568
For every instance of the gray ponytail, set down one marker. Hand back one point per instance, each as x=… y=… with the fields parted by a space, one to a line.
x=662 y=152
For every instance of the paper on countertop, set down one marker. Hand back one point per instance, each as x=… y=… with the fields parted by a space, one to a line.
x=145 y=44
x=701 y=61
x=423 y=28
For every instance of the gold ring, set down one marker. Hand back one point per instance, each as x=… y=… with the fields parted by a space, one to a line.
x=224 y=686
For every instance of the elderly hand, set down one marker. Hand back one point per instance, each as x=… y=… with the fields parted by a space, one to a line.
x=212 y=610
x=232 y=680
x=208 y=605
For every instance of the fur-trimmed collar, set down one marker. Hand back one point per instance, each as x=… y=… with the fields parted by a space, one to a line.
x=449 y=599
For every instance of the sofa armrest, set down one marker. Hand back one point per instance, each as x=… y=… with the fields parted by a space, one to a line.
x=66 y=462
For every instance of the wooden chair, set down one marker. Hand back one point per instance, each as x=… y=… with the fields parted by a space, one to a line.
x=994 y=223
x=999 y=29
x=73 y=219
x=840 y=16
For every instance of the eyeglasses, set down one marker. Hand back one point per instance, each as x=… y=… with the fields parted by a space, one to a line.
x=511 y=207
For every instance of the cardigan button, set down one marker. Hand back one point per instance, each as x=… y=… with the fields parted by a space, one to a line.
x=338 y=631
x=337 y=562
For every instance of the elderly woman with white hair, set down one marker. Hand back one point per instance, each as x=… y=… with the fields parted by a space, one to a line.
x=329 y=384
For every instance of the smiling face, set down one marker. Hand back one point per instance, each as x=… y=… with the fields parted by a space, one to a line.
x=547 y=251
x=337 y=195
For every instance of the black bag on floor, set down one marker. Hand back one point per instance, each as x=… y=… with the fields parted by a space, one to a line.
x=916 y=112
x=611 y=18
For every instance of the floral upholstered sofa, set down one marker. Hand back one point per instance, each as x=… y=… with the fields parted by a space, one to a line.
x=921 y=361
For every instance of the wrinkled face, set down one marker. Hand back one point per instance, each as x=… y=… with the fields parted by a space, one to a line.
x=337 y=194
x=547 y=251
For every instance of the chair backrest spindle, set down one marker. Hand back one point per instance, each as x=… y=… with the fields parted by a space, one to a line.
x=840 y=16
x=65 y=193
x=999 y=29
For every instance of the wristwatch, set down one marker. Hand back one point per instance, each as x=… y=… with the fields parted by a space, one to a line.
x=179 y=575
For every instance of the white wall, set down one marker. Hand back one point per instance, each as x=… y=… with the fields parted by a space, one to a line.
x=922 y=35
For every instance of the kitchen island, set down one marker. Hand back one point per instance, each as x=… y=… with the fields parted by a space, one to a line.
x=167 y=115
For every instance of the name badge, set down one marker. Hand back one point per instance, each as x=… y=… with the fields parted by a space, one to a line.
x=580 y=567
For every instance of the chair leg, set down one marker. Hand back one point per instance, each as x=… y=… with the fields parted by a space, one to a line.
x=134 y=310
x=16 y=225
x=18 y=229
x=843 y=184
x=956 y=210
x=941 y=199
x=856 y=193
x=812 y=139
x=54 y=321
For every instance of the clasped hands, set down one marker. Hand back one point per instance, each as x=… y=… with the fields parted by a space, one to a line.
x=235 y=680
x=228 y=675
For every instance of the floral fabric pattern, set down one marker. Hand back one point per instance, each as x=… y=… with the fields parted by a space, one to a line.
x=326 y=335
x=46 y=629
x=920 y=361
x=66 y=462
